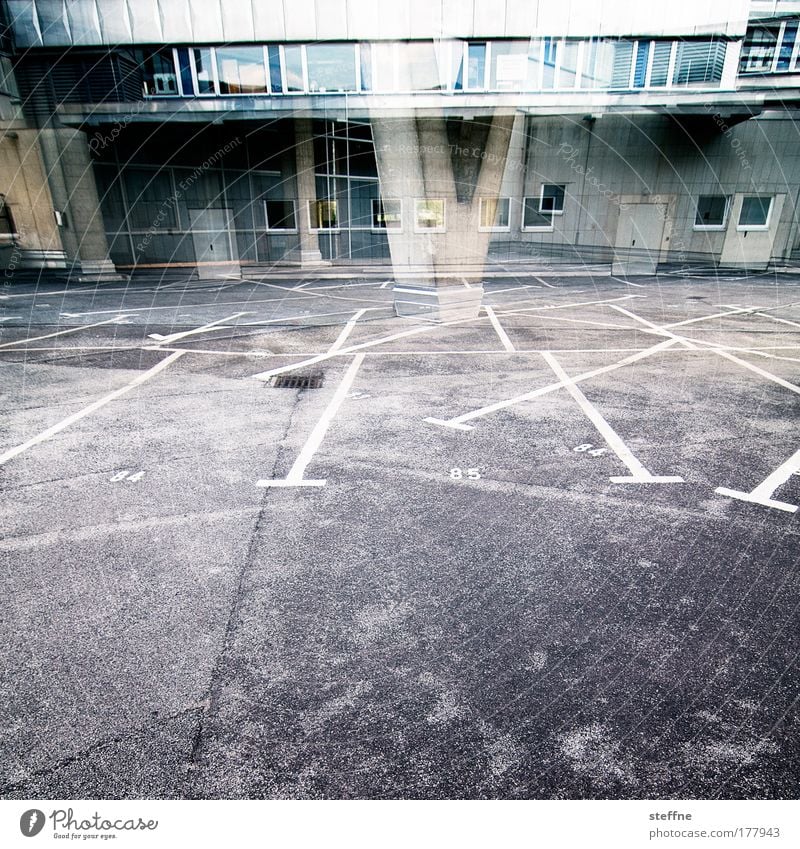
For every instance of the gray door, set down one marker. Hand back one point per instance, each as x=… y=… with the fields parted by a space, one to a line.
x=210 y=234
x=639 y=234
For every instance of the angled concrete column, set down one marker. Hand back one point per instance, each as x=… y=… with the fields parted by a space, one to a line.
x=66 y=155
x=309 y=252
x=437 y=166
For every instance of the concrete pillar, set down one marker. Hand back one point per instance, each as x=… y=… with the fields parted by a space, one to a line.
x=65 y=152
x=421 y=159
x=37 y=242
x=309 y=252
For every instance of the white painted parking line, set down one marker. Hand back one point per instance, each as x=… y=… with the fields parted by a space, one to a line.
x=346 y=331
x=457 y=422
x=503 y=336
x=65 y=423
x=781 y=320
x=544 y=282
x=212 y=325
x=639 y=474
x=654 y=328
x=62 y=332
x=628 y=282
x=295 y=476
x=769 y=375
x=762 y=494
x=565 y=306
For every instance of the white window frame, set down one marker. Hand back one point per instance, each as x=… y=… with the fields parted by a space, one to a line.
x=417 y=228
x=541 y=197
x=195 y=82
x=494 y=228
x=712 y=227
x=760 y=227
x=303 y=68
x=265 y=64
x=386 y=229
x=536 y=228
x=269 y=229
x=487 y=66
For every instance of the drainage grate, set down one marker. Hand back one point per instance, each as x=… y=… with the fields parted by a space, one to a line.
x=297 y=381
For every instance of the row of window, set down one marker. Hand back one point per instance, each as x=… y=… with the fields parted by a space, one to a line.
x=494 y=216
x=446 y=65
x=771 y=49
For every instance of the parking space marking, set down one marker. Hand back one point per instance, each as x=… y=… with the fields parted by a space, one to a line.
x=781 y=320
x=769 y=375
x=65 y=423
x=295 y=476
x=502 y=335
x=212 y=325
x=639 y=474
x=550 y=317
x=762 y=494
x=457 y=422
x=654 y=328
x=346 y=331
x=62 y=332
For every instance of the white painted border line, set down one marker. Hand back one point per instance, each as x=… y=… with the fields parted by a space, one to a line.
x=65 y=423
x=346 y=331
x=502 y=335
x=63 y=332
x=639 y=474
x=762 y=494
x=654 y=328
x=458 y=421
x=212 y=325
x=295 y=476
x=769 y=375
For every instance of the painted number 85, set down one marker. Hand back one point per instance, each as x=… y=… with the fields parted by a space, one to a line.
x=461 y=474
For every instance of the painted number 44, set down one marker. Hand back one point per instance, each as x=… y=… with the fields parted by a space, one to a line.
x=465 y=474
x=590 y=449
x=125 y=475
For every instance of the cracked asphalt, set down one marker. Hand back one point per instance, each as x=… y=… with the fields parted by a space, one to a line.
x=456 y=613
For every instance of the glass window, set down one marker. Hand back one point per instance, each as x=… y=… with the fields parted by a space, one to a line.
x=331 y=67
x=640 y=66
x=203 y=70
x=185 y=70
x=7 y=226
x=509 y=65
x=293 y=58
x=494 y=213
x=383 y=63
x=241 y=70
x=699 y=62
x=755 y=211
x=712 y=211
x=787 y=46
x=280 y=214
x=758 y=49
x=659 y=71
x=533 y=217
x=621 y=69
x=429 y=214
x=365 y=60
x=549 y=53
x=387 y=214
x=323 y=214
x=553 y=198
x=274 y=62
x=598 y=64
x=476 y=65
x=158 y=71
x=568 y=71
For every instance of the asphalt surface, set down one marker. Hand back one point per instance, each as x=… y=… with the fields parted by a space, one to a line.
x=521 y=628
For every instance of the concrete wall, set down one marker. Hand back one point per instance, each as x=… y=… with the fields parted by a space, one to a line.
x=92 y=22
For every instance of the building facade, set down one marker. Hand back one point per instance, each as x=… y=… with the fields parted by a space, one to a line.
x=233 y=137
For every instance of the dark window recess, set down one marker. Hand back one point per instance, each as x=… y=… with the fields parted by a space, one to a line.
x=297 y=381
x=7 y=227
